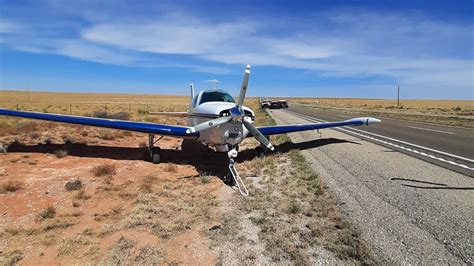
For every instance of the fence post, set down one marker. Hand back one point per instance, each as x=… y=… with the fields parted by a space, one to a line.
x=70 y=109
x=17 y=107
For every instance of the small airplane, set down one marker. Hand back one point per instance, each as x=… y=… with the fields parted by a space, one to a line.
x=214 y=118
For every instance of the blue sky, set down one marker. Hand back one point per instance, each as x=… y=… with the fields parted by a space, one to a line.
x=296 y=48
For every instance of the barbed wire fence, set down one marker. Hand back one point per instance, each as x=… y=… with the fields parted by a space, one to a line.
x=81 y=108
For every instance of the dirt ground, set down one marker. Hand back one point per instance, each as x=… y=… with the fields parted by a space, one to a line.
x=135 y=211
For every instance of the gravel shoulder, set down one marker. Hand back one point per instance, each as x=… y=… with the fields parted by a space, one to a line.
x=409 y=210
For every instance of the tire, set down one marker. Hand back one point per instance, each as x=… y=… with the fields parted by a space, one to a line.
x=156 y=158
x=229 y=180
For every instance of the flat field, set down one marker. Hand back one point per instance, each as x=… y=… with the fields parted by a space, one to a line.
x=130 y=211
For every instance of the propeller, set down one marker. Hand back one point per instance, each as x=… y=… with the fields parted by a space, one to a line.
x=261 y=138
x=208 y=124
x=243 y=87
x=236 y=114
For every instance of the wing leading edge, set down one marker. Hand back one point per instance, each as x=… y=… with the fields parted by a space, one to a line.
x=273 y=130
x=159 y=129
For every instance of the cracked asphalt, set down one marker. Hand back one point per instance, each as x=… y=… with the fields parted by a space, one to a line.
x=408 y=210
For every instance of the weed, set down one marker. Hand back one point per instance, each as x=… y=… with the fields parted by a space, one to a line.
x=12 y=257
x=34 y=135
x=119 y=254
x=48 y=213
x=205 y=178
x=147 y=184
x=171 y=168
x=142 y=112
x=85 y=133
x=148 y=255
x=81 y=195
x=10 y=186
x=348 y=244
x=100 y=114
x=69 y=245
x=295 y=207
x=61 y=153
x=115 y=211
x=68 y=139
x=88 y=231
x=12 y=231
x=104 y=170
x=120 y=116
x=57 y=224
x=107 y=134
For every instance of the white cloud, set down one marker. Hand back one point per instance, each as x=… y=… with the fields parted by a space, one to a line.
x=8 y=27
x=407 y=48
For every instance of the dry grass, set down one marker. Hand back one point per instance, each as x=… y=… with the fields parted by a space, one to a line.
x=115 y=106
x=119 y=254
x=48 y=213
x=447 y=105
x=11 y=257
x=147 y=183
x=80 y=195
x=446 y=112
x=171 y=168
x=104 y=170
x=61 y=153
x=10 y=186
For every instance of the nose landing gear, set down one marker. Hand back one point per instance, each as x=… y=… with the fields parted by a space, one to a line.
x=233 y=172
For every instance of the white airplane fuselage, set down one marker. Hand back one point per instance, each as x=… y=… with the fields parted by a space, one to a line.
x=220 y=137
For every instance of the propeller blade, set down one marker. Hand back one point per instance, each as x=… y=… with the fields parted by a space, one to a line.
x=209 y=124
x=243 y=88
x=261 y=138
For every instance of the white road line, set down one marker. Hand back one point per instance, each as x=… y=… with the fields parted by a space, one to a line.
x=404 y=142
x=427 y=129
x=351 y=130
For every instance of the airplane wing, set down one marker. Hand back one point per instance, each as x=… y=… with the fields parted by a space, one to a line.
x=273 y=130
x=152 y=128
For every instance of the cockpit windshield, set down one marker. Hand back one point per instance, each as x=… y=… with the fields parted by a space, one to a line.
x=216 y=96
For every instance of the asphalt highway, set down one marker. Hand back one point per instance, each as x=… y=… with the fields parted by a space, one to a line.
x=446 y=146
x=409 y=211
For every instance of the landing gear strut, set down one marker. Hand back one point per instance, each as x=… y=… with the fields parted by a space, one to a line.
x=154 y=151
x=233 y=172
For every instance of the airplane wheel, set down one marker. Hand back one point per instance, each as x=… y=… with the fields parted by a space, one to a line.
x=156 y=157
